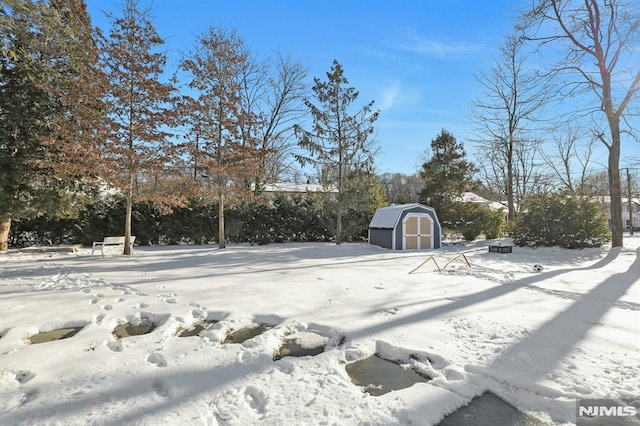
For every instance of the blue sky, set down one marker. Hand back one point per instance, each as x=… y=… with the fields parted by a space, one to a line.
x=415 y=59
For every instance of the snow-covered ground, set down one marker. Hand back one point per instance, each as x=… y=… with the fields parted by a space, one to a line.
x=539 y=340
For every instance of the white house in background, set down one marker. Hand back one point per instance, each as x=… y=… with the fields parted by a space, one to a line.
x=472 y=197
x=296 y=188
x=635 y=210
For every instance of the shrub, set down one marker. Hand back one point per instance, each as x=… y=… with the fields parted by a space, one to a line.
x=471 y=220
x=298 y=218
x=561 y=220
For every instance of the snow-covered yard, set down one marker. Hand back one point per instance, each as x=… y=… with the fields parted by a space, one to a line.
x=539 y=340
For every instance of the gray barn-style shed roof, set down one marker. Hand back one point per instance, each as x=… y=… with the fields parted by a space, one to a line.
x=405 y=226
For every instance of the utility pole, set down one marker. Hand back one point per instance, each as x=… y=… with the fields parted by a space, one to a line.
x=630 y=202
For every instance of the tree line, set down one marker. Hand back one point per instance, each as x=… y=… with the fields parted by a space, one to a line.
x=84 y=114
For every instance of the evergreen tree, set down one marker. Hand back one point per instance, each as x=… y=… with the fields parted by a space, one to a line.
x=446 y=175
x=339 y=144
x=49 y=107
x=140 y=108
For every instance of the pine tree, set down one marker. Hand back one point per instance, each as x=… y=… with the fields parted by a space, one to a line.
x=446 y=175
x=49 y=107
x=140 y=107
x=339 y=143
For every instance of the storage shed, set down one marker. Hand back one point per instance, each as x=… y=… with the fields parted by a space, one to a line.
x=405 y=227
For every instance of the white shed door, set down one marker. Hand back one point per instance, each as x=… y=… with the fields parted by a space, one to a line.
x=418 y=231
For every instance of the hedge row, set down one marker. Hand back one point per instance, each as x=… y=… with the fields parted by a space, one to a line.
x=283 y=219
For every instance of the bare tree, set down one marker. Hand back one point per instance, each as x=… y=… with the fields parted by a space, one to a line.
x=600 y=39
x=273 y=93
x=400 y=188
x=570 y=159
x=513 y=97
x=522 y=157
x=596 y=184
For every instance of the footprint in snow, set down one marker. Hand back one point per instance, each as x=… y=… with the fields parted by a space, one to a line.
x=114 y=345
x=160 y=388
x=285 y=367
x=156 y=359
x=29 y=396
x=256 y=399
x=96 y=298
x=235 y=400
x=24 y=376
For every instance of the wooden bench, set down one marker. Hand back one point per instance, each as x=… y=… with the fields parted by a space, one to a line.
x=111 y=241
x=499 y=248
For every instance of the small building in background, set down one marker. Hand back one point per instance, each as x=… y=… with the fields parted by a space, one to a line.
x=405 y=227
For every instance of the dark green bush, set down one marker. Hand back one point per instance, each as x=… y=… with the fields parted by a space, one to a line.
x=561 y=220
x=282 y=219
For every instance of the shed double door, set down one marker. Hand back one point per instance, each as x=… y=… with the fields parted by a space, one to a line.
x=417 y=231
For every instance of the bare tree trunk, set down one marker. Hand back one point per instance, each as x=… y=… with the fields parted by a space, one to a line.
x=127 y=220
x=5 y=225
x=630 y=203
x=339 y=225
x=511 y=214
x=615 y=190
x=221 y=237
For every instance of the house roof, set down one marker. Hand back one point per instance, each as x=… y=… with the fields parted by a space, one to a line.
x=387 y=217
x=472 y=197
x=297 y=187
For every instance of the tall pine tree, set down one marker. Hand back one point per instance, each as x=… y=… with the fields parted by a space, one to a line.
x=340 y=143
